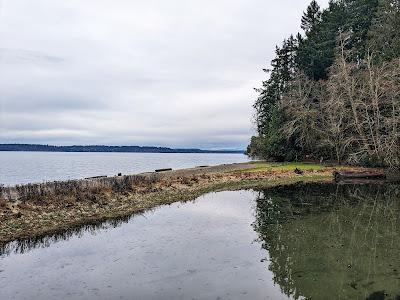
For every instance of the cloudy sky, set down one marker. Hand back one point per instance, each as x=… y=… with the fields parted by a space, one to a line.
x=176 y=73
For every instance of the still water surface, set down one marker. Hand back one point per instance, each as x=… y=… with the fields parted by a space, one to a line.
x=312 y=241
x=30 y=167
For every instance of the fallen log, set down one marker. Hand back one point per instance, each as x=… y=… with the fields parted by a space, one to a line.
x=163 y=170
x=367 y=174
x=97 y=177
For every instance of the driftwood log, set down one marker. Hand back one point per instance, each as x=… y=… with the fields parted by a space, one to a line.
x=163 y=170
x=97 y=177
x=367 y=174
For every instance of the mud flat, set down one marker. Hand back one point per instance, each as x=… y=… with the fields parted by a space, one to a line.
x=34 y=210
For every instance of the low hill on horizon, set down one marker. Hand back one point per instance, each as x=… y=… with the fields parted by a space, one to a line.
x=103 y=148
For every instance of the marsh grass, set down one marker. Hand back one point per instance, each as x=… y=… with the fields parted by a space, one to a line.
x=100 y=189
x=37 y=209
x=74 y=190
x=55 y=223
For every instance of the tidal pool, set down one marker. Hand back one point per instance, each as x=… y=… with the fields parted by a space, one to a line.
x=306 y=241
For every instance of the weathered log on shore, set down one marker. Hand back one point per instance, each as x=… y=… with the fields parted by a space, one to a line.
x=97 y=177
x=367 y=174
x=163 y=170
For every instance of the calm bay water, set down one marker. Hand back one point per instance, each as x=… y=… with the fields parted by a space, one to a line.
x=312 y=241
x=29 y=167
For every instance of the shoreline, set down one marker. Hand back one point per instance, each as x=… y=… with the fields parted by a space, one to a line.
x=35 y=217
x=109 y=149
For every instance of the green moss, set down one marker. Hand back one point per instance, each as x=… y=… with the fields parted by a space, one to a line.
x=185 y=195
x=262 y=166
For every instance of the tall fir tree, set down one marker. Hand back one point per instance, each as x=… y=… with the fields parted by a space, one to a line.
x=360 y=14
x=311 y=17
x=268 y=115
x=384 y=35
x=316 y=51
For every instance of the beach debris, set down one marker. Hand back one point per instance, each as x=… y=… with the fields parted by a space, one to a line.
x=298 y=171
x=97 y=177
x=163 y=170
x=366 y=174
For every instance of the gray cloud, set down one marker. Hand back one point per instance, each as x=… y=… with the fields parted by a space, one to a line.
x=174 y=73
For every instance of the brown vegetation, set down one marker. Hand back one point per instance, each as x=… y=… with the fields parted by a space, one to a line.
x=355 y=113
x=35 y=209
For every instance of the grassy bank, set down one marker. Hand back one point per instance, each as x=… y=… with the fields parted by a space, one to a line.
x=55 y=207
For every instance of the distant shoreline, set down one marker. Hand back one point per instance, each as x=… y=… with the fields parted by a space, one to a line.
x=105 y=149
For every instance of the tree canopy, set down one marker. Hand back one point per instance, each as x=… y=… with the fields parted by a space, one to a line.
x=333 y=90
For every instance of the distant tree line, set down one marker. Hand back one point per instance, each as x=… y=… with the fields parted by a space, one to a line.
x=333 y=92
x=99 y=148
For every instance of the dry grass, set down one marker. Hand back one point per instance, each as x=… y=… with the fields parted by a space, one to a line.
x=74 y=190
x=3 y=203
x=35 y=209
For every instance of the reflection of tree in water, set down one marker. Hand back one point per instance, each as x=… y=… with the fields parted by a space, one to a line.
x=332 y=241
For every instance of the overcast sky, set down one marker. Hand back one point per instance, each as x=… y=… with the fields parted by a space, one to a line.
x=176 y=73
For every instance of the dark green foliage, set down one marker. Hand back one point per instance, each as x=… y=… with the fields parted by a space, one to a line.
x=256 y=147
x=268 y=117
x=359 y=20
x=276 y=146
x=384 y=36
x=283 y=70
x=316 y=51
x=357 y=28
x=311 y=17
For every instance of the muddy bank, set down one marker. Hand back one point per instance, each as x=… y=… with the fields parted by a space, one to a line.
x=33 y=210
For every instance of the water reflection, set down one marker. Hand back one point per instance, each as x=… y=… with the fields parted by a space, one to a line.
x=306 y=241
x=25 y=245
x=332 y=241
x=44 y=241
x=196 y=250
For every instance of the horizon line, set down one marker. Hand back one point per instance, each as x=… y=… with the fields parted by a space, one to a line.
x=42 y=147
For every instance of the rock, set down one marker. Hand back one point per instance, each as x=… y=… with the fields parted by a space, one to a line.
x=298 y=171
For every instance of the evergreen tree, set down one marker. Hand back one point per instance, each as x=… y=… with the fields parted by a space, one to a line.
x=268 y=114
x=360 y=14
x=384 y=35
x=311 y=17
x=316 y=51
x=327 y=94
